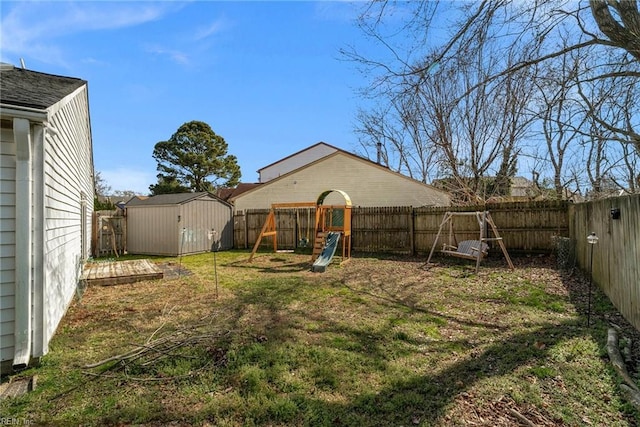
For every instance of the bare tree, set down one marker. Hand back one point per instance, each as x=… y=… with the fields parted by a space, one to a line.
x=619 y=21
x=561 y=119
x=610 y=108
x=631 y=165
x=396 y=135
x=102 y=188
x=479 y=55
x=434 y=120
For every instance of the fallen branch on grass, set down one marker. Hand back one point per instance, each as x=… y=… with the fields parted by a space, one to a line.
x=118 y=358
x=151 y=379
x=631 y=395
x=152 y=351
x=521 y=418
x=629 y=386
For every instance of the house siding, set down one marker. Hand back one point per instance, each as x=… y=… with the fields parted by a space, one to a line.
x=45 y=212
x=68 y=195
x=7 y=242
x=295 y=161
x=366 y=183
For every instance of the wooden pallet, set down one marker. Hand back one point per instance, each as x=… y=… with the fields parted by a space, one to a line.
x=119 y=272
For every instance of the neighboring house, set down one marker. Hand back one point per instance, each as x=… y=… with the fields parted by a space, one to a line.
x=367 y=184
x=46 y=203
x=227 y=194
x=523 y=189
x=178 y=224
x=295 y=161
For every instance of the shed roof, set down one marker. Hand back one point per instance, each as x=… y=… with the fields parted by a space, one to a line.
x=26 y=88
x=172 y=199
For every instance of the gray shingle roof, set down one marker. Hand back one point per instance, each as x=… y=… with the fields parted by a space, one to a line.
x=33 y=89
x=169 y=199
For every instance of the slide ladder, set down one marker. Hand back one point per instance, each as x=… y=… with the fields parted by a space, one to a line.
x=318 y=245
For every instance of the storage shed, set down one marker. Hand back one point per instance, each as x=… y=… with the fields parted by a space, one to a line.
x=178 y=224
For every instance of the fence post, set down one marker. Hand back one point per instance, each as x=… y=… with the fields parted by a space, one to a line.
x=412 y=231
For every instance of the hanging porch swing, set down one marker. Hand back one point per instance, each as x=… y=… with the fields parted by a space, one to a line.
x=475 y=250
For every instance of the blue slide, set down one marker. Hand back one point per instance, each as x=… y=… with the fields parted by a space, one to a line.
x=329 y=249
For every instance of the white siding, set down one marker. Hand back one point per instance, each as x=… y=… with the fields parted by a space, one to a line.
x=7 y=242
x=153 y=230
x=295 y=161
x=366 y=183
x=68 y=174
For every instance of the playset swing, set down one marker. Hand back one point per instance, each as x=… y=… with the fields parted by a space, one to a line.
x=303 y=242
x=474 y=250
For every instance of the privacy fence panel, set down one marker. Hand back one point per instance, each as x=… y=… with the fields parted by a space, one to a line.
x=255 y=220
x=616 y=256
x=383 y=229
x=406 y=230
x=529 y=227
x=287 y=226
x=240 y=230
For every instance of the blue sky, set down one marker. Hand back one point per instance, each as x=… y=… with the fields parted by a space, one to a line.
x=266 y=76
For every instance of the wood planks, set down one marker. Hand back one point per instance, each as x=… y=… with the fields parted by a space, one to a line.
x=616 y=256
x=524 y=226
x=119 y=272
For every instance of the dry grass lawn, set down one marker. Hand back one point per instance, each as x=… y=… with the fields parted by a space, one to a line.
x=375 y=341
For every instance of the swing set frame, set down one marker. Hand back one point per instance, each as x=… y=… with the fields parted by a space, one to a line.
x=269 y=226
x=324 y=222
x=469 y=249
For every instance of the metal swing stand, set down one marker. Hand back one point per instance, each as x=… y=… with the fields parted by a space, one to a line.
x=469 y=249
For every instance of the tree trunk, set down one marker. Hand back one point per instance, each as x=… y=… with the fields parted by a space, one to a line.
x=624 y=34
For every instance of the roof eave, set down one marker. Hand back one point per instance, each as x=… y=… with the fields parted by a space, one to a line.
x=299 y=152
x=30 y=113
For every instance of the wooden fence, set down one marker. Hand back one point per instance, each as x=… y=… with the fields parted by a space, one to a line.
x=616 y=256
x=109 y=233
x=524 y=227
x=294 y=226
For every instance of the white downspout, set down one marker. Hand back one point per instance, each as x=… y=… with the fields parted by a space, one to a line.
x=39 y=340
x=23 y=327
